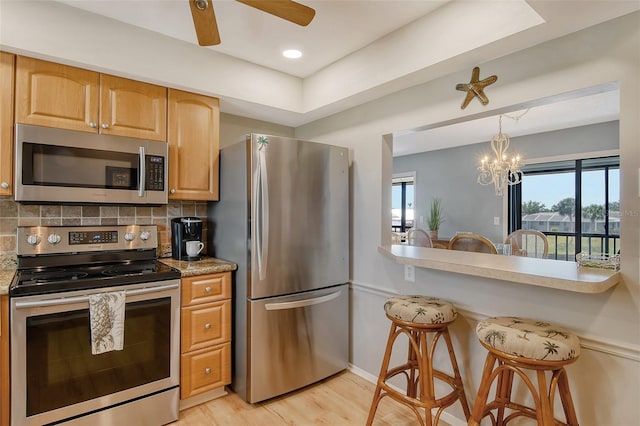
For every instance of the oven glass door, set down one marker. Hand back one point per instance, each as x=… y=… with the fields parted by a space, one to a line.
x=54 y=375
x=61 y=370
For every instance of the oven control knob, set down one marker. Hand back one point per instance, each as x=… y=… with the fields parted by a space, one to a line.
x=129 y=236
x=144 y=235
x=53 y=239
x=33 y=239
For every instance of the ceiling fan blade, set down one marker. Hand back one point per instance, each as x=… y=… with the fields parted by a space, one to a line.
x=204 y=21
x=285 y=9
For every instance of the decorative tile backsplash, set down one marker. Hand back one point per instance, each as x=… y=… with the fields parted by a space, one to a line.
x=13 y=214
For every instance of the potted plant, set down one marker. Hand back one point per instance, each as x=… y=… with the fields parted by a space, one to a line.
x=435 y=217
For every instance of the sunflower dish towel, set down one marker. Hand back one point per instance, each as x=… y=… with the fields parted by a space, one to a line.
x=106 y=315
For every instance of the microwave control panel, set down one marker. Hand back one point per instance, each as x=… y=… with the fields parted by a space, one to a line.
x=155 y=173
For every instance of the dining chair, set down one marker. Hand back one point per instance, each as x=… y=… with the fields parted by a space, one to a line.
x=419 y=237
x=528 y=243
x=396 y=238
x=472 y=242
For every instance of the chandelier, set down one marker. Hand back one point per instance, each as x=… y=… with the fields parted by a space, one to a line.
x=501 y=171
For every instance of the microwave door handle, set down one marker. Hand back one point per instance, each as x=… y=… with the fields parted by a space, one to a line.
x=143 y=172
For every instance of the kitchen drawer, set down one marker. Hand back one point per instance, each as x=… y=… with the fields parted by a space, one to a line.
x=205 y=325
x=206 y=288
x=205 y=370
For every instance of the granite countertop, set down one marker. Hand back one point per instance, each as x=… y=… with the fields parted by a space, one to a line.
x=207 y=265
x=6 y=275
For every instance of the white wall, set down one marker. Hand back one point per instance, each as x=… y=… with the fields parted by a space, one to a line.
x=606 y=378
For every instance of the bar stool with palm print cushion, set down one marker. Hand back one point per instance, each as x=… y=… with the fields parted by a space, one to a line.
x=416 y=317
x=516 y=345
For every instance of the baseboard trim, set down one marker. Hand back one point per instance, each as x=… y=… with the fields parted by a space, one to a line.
x=589 y=342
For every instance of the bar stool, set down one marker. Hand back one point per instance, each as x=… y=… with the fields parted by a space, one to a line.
x=416 y=317
x=516 y=345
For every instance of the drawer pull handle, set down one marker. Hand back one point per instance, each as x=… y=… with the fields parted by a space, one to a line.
x=207 y=289
x=207 y=370
x=207 y=326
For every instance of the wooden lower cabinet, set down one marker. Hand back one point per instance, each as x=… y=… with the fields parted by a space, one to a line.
x=205 y=370
x=4 y=360
x=205 y=337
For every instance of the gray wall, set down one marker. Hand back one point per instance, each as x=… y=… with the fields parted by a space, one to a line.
x=451 y=175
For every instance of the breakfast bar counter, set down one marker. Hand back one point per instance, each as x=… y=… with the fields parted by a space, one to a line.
x=558 y=274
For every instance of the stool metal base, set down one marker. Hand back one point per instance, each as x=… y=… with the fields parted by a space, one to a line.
x=419 y=373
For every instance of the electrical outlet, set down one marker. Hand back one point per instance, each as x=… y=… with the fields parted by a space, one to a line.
x=421 y=219
x=410 y=273
x=496 y=220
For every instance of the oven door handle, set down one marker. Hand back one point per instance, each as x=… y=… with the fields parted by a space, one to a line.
x=80 y=299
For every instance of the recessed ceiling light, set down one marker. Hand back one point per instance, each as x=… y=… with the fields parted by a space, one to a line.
x=292 y=54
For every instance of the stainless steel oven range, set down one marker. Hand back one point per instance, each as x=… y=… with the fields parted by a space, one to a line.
x=55 y=378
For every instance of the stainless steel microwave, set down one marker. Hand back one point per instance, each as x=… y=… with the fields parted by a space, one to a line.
x=66 y=166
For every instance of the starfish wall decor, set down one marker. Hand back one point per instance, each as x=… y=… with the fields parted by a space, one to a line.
x=476 y=87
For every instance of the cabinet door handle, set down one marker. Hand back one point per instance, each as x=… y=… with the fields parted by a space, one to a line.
x=105 y=126
x=93 y=125
x=207 y=370
x=207 y=326
x=206 y=289
x=4 y=185
x=173 y=191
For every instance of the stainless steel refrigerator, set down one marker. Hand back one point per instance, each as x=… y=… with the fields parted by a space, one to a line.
x=283 y=217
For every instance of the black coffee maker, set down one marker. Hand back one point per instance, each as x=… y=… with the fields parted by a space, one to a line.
x=184 y=229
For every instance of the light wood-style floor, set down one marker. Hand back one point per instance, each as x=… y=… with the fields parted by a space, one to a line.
x=343 y=399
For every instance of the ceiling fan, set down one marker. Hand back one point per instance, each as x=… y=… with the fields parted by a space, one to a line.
x=204 y=18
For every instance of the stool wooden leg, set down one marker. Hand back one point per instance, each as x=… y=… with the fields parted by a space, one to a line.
x=503 y=393
x=483 y=391
x=427 y=391
x=565 y=397
x=412 y=360
x=456 y=374
x=377 y=395
x=544 y=411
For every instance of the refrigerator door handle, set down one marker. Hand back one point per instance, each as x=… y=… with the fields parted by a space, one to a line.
x=302 y=303
x=262 y=214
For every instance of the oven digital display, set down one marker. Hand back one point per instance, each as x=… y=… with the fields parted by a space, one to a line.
x=93 y=237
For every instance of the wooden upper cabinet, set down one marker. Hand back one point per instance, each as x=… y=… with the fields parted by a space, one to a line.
x=7 y=70
x=194 y=123
x=55 y=95
x=132 y=108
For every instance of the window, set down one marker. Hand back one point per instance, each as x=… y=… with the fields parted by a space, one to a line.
x=575 y=203
x=402 y=201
